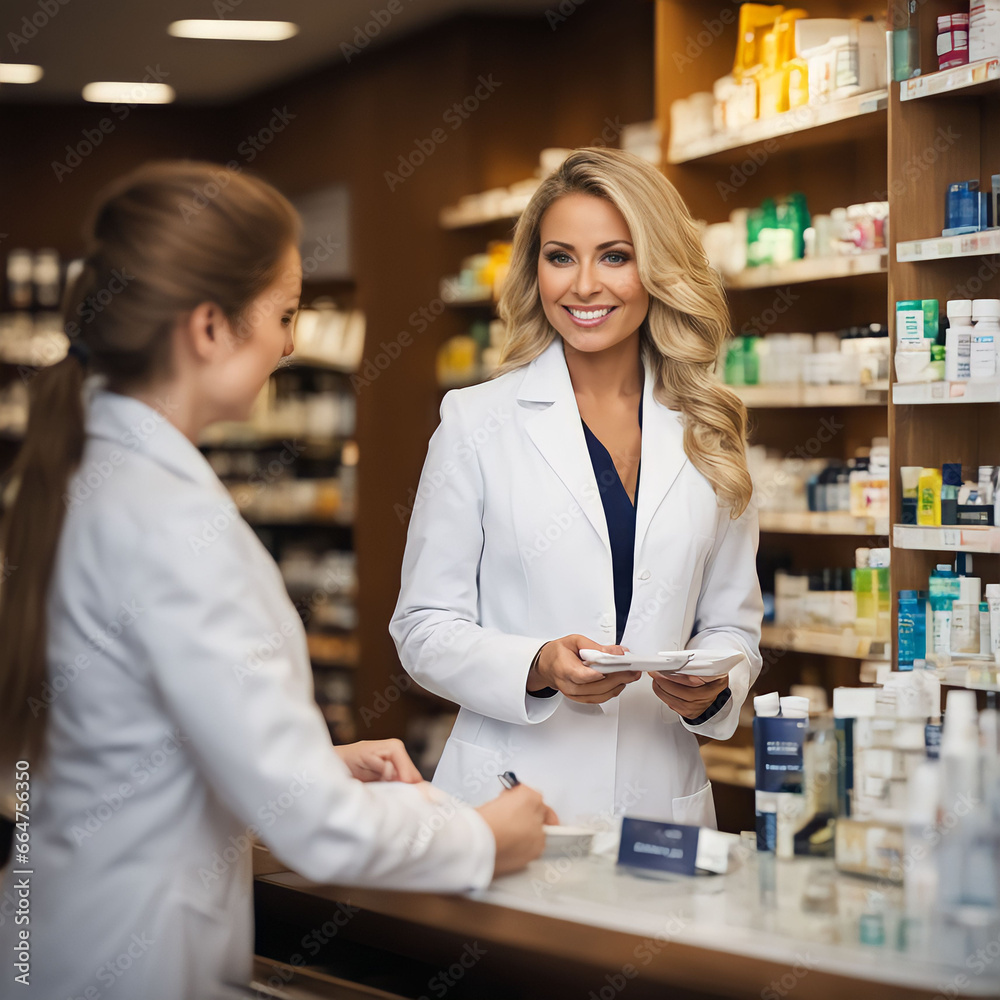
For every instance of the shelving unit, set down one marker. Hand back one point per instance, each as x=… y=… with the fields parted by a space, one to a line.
x=812 y=269
x=976 y=79
x=835 y=154
x=809 y=522
x=822 y=642
x=946 y=538
x=941 y=247
x=811 y=124
x=924 y=393
x=965 y=103
x=810 y=396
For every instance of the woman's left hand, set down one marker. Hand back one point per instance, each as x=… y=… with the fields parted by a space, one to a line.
x=688 y=696
x=379 y=760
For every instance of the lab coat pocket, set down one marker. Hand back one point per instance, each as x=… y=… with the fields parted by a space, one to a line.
x=469 y=771
x=697 y=809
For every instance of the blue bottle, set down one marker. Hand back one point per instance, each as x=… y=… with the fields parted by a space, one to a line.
x=911 y=629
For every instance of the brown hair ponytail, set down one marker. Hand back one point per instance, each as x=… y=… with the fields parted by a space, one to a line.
x=163 y=240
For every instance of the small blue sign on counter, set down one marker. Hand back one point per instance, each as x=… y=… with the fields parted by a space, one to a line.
x=665 y=847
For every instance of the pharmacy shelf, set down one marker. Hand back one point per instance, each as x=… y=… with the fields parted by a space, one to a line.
x=729 y=765
x=921 y=393
x=972 y=80
x=811 y=124
x=946 y=538
x=505 y=209
x=810 y=269
x=974 y=673
x=802 y=395
x=947 y=247
x=822 y=643
x=808 y=522
x=454 y=295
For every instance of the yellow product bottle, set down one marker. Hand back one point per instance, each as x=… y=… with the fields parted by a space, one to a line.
x=929 y=497
x=778 y=50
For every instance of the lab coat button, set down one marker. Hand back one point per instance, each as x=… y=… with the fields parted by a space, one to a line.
x=644 y=575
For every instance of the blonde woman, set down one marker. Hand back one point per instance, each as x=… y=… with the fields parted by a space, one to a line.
x=595 y=493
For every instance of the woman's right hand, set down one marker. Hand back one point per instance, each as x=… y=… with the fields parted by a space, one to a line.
x=516 y=817
x=559 y=666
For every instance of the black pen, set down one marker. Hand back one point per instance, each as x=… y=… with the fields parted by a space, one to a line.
x=508 y=779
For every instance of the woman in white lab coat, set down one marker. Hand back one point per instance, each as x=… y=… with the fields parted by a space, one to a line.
x=594 y=493
x=155 y=686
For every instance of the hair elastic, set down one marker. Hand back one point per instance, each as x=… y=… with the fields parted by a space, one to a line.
x=79 y=350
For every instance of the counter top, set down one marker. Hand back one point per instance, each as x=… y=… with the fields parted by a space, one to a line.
x=767 y=925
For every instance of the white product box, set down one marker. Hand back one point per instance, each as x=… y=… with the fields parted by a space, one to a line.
x=984 y=29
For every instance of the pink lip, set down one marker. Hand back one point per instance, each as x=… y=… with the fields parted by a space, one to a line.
x=590 y=323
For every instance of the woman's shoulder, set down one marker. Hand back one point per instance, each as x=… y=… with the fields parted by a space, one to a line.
x=473 y=401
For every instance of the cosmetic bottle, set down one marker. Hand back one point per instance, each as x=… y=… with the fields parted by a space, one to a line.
x=993 y=603
x=951 y=481
x=985 y=336
x=777 y=764
x=965 y=616
x=920 y=877
x=929 y=497
x=958 y=340
x=910 y=478
x=879 y=562
x=905 y=40
x=864 y=592
x=944 y=591
x=911 y=638
x=985 y=640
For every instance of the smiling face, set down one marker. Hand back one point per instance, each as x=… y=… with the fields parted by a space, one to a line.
x=587 y=275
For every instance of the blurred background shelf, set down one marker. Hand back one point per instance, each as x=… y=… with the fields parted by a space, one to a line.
x=810 y=269
x=946 y=538
x=821 y=643
x=922 y=393
x=801 y=395
x=812 y=124
x=809 y=522
x=947 y=247
x=975 y=79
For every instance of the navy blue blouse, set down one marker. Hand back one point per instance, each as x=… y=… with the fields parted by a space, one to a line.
x=620 y=514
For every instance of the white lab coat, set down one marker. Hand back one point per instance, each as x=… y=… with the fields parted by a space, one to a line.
x=182 y=720
x=508 y=547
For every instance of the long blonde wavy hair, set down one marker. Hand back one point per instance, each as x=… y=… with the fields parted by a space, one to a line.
x=688 y=320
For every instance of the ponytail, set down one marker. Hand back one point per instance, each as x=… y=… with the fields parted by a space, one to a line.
x=50 y=454
x=159 y=246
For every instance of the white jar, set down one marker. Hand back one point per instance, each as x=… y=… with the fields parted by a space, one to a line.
x=958 y=341
x=985 y=337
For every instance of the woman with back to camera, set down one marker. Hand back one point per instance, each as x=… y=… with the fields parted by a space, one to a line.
x=158 y=736
x=594 y=493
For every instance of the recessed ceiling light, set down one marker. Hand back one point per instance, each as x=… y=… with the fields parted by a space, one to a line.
x=20 y=73
x=125 y=92
x=242 y=31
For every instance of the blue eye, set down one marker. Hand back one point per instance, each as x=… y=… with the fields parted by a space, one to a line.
x=558 y=257
x=622 y=257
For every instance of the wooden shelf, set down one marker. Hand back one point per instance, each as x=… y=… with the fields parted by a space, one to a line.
x=802 y=395
x=811 y=124
x=949 y=247
x=974 y=674
x=973 y=80
x=453 y=295
x=924 y=393
x=822 y=643
x=946 y=538
x=810 y=269
x=807 y=522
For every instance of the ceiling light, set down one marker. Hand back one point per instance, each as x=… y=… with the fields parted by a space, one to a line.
x=125 y=92
x=243 y=31
x=20 y=73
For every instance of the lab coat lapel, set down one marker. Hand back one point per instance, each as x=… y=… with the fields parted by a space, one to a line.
x=557 y=432
x=663 y=457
